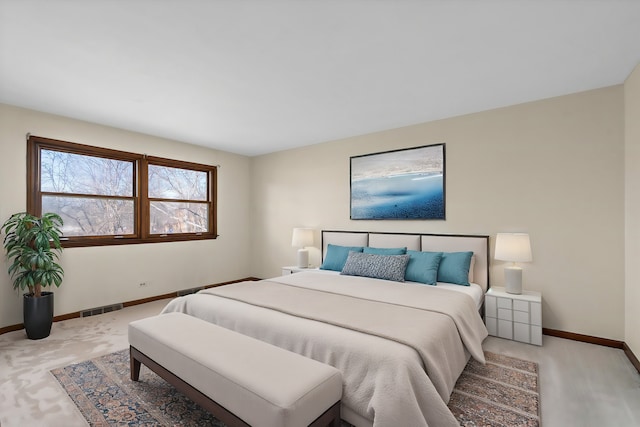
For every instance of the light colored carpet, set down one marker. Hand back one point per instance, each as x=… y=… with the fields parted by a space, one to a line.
x=29 y=394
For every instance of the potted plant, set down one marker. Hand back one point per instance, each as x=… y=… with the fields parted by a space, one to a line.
x=33 y=246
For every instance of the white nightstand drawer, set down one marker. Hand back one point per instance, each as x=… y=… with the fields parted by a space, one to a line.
x=521 y=316
x=536 y=335
x=505 y=329
x=521 y=332
x=505 y=314
x=504 y=303
x=490 y=308
x=521 y=305
x=536 y=313
x=492 y=325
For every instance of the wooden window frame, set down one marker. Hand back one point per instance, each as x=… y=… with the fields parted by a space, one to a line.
x=140 y=197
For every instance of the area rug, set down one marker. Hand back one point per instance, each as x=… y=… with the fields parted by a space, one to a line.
x=504 y=392
x=501 y=393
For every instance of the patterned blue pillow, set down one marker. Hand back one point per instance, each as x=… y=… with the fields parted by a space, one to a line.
x=336 y=256
x=423 y=267
x=387 y=267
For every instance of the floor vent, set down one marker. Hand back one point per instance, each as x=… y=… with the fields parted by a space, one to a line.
x=101 y=310
x=189 y=291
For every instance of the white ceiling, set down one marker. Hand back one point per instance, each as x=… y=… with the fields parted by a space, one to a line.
x=257 y=76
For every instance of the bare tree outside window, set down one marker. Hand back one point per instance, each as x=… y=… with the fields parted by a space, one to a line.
x=187 y=188
x=71 y=184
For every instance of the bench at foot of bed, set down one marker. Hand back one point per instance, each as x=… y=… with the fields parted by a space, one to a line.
x=240 y=380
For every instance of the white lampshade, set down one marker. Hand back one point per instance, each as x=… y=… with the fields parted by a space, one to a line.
x=514 y=247
x=302 y=237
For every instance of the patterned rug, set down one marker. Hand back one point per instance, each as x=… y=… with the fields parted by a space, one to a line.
x=502 y=393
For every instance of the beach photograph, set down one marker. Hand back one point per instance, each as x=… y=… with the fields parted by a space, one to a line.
x=400 y=184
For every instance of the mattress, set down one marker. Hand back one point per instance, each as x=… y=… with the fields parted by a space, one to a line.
x=474 y=290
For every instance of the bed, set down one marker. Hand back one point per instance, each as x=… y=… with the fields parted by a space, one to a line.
x=400 y=345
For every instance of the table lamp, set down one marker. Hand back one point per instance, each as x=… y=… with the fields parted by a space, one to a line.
x=302 y=237
x=514 y=247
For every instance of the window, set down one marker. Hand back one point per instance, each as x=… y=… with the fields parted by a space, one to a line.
x=178 y=200
x=114 y=197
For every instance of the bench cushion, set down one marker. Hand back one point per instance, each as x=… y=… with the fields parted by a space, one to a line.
x=262 y=384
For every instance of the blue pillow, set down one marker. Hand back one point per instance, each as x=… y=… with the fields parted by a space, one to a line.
x=387 y=267
x=337 y=256
x=454 y=268
x=385 y=251
x=423 y=267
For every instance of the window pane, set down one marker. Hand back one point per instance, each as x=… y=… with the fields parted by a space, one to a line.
x=74 y=173
x=85 y=216
x=172 y=217
x=176 y=183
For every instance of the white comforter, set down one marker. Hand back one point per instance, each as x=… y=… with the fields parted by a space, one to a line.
x=400 y=347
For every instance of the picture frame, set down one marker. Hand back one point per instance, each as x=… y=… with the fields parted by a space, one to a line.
x=408 y=183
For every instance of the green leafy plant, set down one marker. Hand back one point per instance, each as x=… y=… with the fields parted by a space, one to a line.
x=33 y=247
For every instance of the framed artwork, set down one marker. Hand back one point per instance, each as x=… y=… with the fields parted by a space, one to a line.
x=399 y=184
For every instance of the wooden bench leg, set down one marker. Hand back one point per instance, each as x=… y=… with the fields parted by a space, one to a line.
x=135 y=366
x=330 y=417
x=337 y=422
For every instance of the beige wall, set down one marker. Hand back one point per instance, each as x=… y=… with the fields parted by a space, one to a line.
x=632 y=211
x=106 y=275
x=552 y=168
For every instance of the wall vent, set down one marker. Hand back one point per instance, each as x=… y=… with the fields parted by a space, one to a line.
x=189 y=291
x=101 y=310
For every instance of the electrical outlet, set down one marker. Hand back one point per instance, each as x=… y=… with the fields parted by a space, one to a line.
x=143 y=284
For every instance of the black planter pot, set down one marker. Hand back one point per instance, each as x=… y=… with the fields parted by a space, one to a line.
x=38 y=315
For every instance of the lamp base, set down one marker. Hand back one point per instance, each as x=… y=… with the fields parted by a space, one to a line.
x=513 y=280
x=303 y=258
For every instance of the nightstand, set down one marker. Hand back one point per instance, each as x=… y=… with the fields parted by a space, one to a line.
x=514 y=317
x=290 y=269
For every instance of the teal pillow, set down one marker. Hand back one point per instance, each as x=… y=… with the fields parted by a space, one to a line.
x=423 y=267
x=385 y=251
x=337 y=256
x=454 y=268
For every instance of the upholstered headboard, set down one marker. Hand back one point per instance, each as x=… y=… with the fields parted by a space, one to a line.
x=477 y=244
